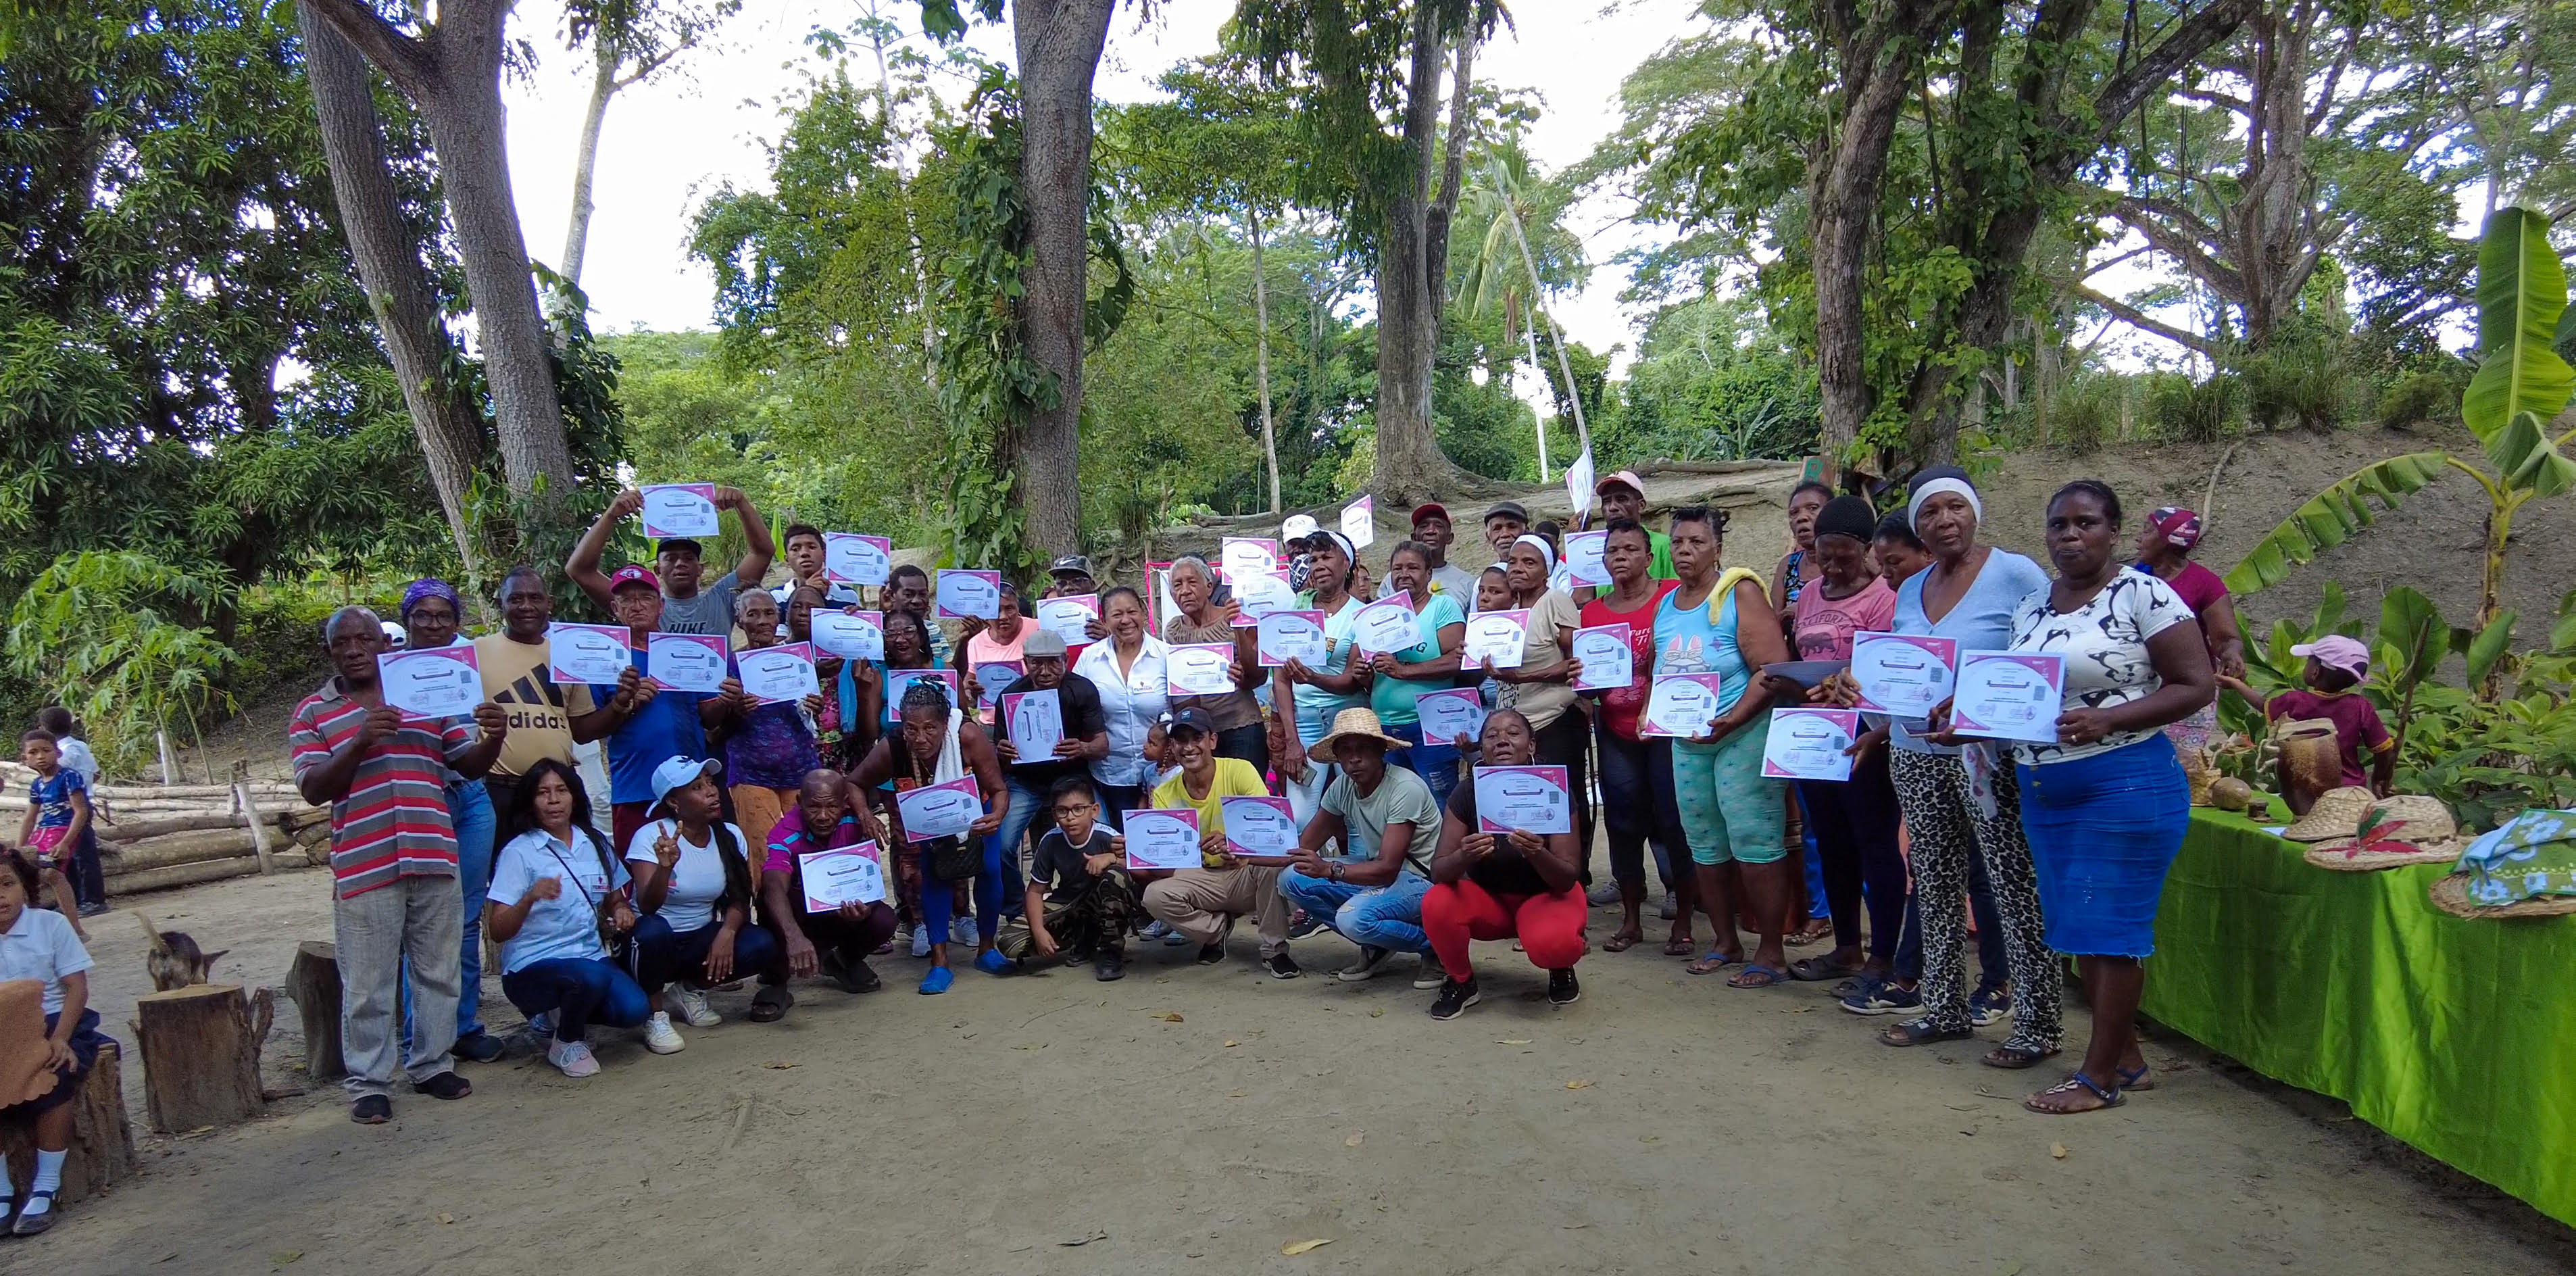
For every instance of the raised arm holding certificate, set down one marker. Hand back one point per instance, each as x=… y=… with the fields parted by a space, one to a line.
x=1259 y=827
x=433 y=682
x=1069 y=617
x=1036 y=722
x=968 y=595
x=1162 y=840
x=852 y=559
x=992 y=676
x=1241 y=556
x=1259 y=594
x=1529 y=799
x=1583 y=558
x=781 y=674
x=842 y=875
x=1498 y=636
x=585 y=653
x=679 y=510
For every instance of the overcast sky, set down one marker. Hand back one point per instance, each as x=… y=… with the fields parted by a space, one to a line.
x=670 y=142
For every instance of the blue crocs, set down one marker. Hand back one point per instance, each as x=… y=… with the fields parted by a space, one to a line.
x=937 y=981
x=991 y=961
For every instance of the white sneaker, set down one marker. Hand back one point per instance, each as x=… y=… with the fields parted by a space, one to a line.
x=920 y=941
x=660 y=1037
x=961 y=930
x=1372 y=959
x=1431 y=975
x=691 y=1004
x=576 y=1060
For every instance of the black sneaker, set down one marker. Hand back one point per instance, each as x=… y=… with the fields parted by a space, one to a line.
x=1211 y=954
x=1562 y=989
x=446 y=1085
x=479 y=1047
x=1455 y=996
x=91 y=909
x=372 y=1109
x=1281 y=965
x=1110 y=967
x=857 y=977
x=1304 y=924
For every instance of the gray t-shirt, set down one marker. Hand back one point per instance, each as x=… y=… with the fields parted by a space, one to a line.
x=708 y=611
x=1982 y=621
x=1401 y=798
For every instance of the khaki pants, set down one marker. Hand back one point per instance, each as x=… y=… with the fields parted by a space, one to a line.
x=1203 y=904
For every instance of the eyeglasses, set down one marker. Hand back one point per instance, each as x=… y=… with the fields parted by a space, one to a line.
x=1078 y=808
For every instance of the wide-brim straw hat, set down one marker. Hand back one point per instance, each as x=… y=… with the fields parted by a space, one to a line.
x=2451 y=895
x=2337 y=813
x=1357 y=724
x=2419 y=830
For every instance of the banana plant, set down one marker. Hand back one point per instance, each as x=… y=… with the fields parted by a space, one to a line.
x=2511 y=406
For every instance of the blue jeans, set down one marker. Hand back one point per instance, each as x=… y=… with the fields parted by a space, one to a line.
x=1816 y=903
x=471 y=808
x=581 y=991
x=664 y=956
x=1437 y=764
x=1009 y=843
x=1372 y=916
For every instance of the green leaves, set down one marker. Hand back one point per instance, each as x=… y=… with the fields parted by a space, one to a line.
x=2413 y=638
x=96 y=631
x=2521 y=383
x=2331 y=517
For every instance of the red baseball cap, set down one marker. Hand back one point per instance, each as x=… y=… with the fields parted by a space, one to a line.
x=634 y=574
x=1430 y=509
x=1624 y=478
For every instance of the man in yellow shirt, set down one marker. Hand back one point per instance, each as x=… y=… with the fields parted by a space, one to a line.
x=1203 y=903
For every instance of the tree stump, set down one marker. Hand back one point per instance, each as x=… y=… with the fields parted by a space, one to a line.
x=201 y=1054
x=313 y=983
x=102 y=1141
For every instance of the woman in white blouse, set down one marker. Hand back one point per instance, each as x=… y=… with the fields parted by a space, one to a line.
x=2105 y=806
x=1128 y=668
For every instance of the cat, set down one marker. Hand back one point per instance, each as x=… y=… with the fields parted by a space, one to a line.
x=175 y=960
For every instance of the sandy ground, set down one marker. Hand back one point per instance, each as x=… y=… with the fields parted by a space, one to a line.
x=1191 y=1116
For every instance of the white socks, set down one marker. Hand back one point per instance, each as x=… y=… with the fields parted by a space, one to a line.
x=49 y=1178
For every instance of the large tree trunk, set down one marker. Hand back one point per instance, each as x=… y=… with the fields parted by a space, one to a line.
x=453 y=72
x=1412 y=274
x=1261 y=360
x=398 y=287
x=1059 y=44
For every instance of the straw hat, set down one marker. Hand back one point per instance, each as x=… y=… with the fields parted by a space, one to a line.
x=1357 y=724
x=2337 y=813
x=2406 y=829
x=2451 y=895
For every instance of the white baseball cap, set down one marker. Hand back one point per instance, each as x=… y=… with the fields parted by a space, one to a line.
x=680 y=773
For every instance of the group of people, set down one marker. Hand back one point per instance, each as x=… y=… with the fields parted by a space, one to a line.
x=618 y=901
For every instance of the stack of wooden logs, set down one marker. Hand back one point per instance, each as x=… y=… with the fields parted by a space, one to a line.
x=157 y=836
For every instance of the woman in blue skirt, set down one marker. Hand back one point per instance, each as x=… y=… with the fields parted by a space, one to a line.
x=2105 y=807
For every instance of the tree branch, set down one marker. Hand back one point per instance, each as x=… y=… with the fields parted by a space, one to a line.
x=2145 y=322
x=412 y=64
x=2130 y=89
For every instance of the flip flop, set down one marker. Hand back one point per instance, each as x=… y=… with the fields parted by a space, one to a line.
x=1816 y=970
x=1621 y=942
x=2014 y=1058
x=1758 y=976
x=2138 y=1080
x=1680 y=947
x=1712 y=962
x=769 y=1005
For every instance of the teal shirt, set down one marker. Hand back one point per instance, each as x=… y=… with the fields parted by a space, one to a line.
x=1392 y=698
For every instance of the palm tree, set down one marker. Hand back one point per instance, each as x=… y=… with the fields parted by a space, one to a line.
x=1505 y=196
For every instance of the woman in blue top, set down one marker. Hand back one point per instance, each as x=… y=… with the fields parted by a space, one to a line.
x=1954 y=805
x=1428 y=665
x=544 y=908
x=1722 y=623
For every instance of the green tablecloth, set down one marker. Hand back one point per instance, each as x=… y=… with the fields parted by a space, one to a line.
x=2456 y=1036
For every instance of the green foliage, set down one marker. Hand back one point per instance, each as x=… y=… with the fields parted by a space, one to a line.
x=2195 y=411
x=2304 y=383
x=2084 y=414
x=105 y=634
x=2331 y=517
x=2521 y=384
x=2420 y=399
x=1712 y=382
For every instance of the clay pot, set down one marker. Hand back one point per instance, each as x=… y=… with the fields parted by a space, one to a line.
x=2311 y=761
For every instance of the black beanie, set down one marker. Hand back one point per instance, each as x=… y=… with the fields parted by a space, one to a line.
x=1851 y=516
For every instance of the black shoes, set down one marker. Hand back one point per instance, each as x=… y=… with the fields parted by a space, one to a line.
x=1455 y=996
x=480 y=1047
x=1211 y=954
x=446 y=1085
x=372 y=1109
x=1281 y=965
x=1562 y=990
x=1110 y=967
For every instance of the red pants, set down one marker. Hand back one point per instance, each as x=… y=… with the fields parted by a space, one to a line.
x=1550 y=927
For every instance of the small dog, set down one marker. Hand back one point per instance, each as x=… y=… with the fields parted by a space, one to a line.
x=175 y=960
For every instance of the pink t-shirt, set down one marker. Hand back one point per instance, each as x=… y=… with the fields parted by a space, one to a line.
x=1825 y=625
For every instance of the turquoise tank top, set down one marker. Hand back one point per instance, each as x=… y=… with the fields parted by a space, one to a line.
x=1687 y=641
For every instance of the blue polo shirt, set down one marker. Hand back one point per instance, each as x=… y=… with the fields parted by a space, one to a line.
x=665 y=729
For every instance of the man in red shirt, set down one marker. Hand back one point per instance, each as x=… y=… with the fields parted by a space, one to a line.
x=384 y=775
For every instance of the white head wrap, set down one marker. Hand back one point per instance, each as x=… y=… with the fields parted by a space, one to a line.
x=1914 y=507
x=1546 y=552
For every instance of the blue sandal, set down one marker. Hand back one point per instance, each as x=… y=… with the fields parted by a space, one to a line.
x=2138 y=1080
x=2111 y=1097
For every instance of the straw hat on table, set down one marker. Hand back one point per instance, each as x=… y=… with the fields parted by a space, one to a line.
x=2394 y=832
x=2337 y=813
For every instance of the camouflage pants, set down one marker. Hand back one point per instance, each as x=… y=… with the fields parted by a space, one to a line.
x=1096 y=919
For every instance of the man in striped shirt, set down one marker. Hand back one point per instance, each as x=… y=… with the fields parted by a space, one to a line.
x=393 y=861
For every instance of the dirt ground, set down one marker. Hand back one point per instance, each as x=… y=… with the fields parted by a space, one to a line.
x=1189 y=1116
